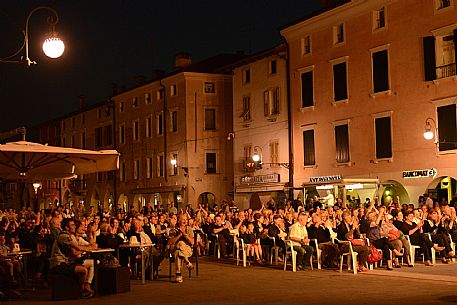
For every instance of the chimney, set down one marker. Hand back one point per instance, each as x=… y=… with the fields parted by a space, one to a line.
x=114 y=88
x=82 y=102
x=140 y=80
x=157 y=74
x=182 y=60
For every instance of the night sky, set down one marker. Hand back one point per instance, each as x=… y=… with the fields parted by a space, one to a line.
x=112 y=41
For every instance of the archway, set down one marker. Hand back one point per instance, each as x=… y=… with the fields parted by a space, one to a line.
x=138 y=202
x=442 y=188
x=207 y=199
x=394 y=191
x=254 y=202
x=95 y=200
x=123 y=202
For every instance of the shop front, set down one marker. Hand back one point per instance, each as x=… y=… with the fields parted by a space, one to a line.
x=160 y=196
x=351 y=191
x=255 y=191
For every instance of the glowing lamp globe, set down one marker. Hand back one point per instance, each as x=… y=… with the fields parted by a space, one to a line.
x=428 y=135
x=256 y=157
x=53 y=47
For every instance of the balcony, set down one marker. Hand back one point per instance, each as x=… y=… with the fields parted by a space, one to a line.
x=446 y=71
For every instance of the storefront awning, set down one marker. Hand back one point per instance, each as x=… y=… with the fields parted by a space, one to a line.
x=159 y=189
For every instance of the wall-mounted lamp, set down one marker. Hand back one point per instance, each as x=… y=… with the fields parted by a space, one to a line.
x=429 y=134
x=230 y=136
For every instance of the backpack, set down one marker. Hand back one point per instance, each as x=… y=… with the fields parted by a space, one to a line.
x=374 y=256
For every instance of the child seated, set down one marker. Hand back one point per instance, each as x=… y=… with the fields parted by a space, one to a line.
x=248 y=236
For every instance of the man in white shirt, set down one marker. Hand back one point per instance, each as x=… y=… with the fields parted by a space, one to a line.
x=300 y=241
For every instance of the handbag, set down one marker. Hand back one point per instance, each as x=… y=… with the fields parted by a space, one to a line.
x=374 y=256
x=394 y=234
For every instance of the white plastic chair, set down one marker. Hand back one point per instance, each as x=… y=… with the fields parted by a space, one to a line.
x=351 y=256
x=318 y=254
x=412 y=250
x=290 y=252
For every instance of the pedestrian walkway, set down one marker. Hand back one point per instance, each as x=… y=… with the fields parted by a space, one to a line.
x=221 y=283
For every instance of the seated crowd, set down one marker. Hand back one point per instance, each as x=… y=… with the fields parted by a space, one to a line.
x=59 y=236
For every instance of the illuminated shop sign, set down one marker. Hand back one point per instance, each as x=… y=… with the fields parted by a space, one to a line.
x=325 y=178
x=420 y=173
x=272 y=178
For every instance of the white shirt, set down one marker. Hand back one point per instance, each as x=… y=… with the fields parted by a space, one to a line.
x=298 y=231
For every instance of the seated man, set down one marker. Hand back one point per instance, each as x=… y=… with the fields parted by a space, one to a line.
x=320 y=230
x=277 y=230
x=300 y=241
x=180 y=245
x=223 y=234
x=62 y=261
x=432 y=226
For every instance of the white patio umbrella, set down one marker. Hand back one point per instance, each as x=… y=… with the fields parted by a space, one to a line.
x=37 y=161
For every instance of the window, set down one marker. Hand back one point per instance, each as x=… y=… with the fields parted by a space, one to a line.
x=121 y=107
x=64 y=141
x=122 y=171
x=98 y=137
x=274 y=153
x=174 y=121
x=136 y=131
x=380 y=71
x=342 y=143
x=210 y=119
x=72 y=141
x=306 y=45
x=209 y=87
x=271 y=102
x=442 y=4
x=83 y=140
x=122 y=134
x=307 y=94
x=173 y=90
x=83 y=119
x=160 y=166
x=73 y=122
x=447 y=127
x=135 y=102
x=148 y=168
x=379 y=19
x=246 y=115
x=100 y=177
x=63 y=125
x=149 y=127
x=136 y=169
x=174 y=168
x=160 y=94
x=248 y=163
x=340 y=90
x=383 y=138
x=273 y=66
x=246 y=76
x=308 y=148
x=147 y=97
x=109 y=135
x=99 y=114
x=159 y=119
x=440 y=55
x=211 y=163
x=338 y=34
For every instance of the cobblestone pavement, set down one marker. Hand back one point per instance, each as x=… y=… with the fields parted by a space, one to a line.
x=225 y=283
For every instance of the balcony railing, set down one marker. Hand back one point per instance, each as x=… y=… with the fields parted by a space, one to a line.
x=446 y=71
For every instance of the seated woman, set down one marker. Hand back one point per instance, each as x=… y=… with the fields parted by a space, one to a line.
x=88 y=263
x=396 y=239
x=376 y=238
x=409 y=227
x=180 y=245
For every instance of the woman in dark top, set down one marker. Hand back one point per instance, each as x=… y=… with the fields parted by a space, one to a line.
x=412 y=229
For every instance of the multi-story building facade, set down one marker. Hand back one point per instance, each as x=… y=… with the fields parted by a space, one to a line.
x=171 y=134
x=367 y=77
x=260 y=126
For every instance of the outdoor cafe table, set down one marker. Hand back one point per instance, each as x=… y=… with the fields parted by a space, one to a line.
x=22 y=255
x=142 y=248
x=94 y=254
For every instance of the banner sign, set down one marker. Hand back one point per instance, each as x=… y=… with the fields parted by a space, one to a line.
x=272 y=178
x=420 y=173
x=325 y=178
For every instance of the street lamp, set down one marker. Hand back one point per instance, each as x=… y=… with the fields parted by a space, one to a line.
x=257 y=156
x=53 y=46
x=428 y=133
x=36 y=186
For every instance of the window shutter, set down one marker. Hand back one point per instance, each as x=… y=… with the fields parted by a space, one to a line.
x=339 y=82
x=455 y=45
x=447 y=132
x=380 y=71
x=308 y=147
x=429 y=58
x=307 y=89
x=383 y=138
x=266 y=104
x=342 y=143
